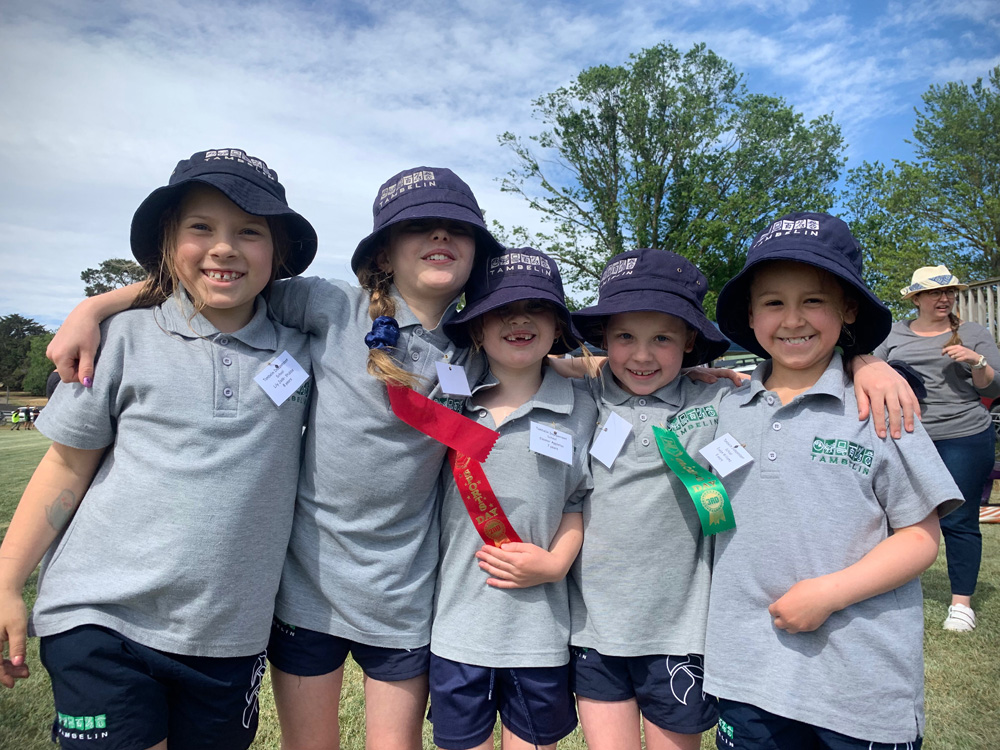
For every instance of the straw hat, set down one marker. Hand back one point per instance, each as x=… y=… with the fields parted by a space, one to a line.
x=931 y=277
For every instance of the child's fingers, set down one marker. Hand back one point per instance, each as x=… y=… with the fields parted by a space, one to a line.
x=499 y=583
x=9 y=673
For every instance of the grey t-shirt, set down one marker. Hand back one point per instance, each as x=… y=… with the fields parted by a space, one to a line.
x=364 y=549
x=179 y=542
x=490 y=627
x=640 y=584
x=952 y=408
x=823 y=490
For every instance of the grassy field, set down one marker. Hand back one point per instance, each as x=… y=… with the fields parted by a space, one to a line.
x=962 y=670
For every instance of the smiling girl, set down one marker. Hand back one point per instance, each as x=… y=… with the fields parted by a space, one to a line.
x=155 y=599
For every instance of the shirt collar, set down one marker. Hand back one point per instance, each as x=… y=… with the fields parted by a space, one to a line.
x=830 y=383
x=175 y=316
x=555 y=394
x=614 y=394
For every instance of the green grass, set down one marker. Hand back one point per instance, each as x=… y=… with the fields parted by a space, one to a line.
x=962 y=670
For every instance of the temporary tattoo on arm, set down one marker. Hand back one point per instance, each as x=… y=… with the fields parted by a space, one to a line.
x=59 y=513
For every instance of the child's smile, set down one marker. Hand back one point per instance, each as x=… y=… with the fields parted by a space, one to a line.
x=797 y=313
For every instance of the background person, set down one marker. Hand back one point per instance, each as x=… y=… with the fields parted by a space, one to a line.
x=958 y=362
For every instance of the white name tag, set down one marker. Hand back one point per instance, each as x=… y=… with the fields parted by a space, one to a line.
x=610 y=438
x=453 y=379
x=281 y=377
x=726 y=455
x=550 y=442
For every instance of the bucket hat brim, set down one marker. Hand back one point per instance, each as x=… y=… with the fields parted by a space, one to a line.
x=709 y=343
x=147 y=229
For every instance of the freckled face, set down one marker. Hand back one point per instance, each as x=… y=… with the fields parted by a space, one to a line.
x=646 y=349
x=797 y=312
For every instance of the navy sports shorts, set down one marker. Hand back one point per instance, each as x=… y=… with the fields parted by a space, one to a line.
x=668 y=689
x=111 y=692
x=535 y=703
x=308 y=653
x=744 y=726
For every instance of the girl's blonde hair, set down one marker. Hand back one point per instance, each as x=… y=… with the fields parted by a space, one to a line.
x=162 y=282
x=378 y=283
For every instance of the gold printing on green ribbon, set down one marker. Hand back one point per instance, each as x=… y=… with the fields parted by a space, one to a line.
x=709 y=496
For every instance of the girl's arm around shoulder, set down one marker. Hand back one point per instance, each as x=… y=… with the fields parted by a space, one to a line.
x=74 y=347
x=312 y=304
x=896 y=560
x=519 y=565
x=47 y=505
x=880 y=389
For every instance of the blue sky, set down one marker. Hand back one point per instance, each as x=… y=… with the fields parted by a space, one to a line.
x=99 y=100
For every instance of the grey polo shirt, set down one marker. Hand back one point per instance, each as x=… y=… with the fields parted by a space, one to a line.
x=640 y=584
x=179 y=542
x=491 y=627
x=822 y=492
x=952 y=408
x=364 y=549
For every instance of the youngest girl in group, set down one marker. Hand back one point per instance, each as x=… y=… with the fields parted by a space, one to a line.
x=500 y=643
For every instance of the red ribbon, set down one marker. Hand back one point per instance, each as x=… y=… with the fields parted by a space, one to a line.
x=480 y=500
x=441 y=423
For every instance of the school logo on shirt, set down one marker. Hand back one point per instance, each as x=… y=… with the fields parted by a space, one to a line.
x=83 y=727
x=301 y=396
x=844 y=453
x=455 y=404
x=692 y=419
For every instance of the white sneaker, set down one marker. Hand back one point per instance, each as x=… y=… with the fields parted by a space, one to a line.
x=960 y=618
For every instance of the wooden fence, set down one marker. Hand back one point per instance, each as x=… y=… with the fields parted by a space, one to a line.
x=980 y=303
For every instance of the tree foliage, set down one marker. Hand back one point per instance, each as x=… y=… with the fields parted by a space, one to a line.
x=111 y=274
x=38 y=365
x=668 y=150
x=943 y=208
x=15 y=332
x=954 y=185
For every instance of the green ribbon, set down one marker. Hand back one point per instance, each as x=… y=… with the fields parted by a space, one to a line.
x=706 y=490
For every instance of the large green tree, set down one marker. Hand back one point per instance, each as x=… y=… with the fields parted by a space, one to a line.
x=953 y=185
x=111 y=274
x=668 y=150
x=941 y=208
x=15 y=332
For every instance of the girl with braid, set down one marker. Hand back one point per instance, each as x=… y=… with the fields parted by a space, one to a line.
x=958 y=362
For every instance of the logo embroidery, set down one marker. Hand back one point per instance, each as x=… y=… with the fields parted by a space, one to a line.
x=807 y=227
x=843 y=452
x=455 y=404
x=700 y=416
x=301 y=396
x=519 y=262
x=419 y=179
x=255 y=679
x=618 y=268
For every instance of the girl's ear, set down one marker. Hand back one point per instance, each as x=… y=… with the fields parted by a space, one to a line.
x=850 y=310
x=692 y=336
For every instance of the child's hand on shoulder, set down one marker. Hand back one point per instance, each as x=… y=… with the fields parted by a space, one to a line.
x=518 y=565
x=13 y=633
x=712 y=374
x=804 y=607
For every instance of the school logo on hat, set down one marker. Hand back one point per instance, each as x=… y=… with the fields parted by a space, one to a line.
x=422 y=193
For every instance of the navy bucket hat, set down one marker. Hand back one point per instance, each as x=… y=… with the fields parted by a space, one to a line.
x=815 y=239
x=423 y=193
x=507 y=276
x=651 y=280
x=247 y=182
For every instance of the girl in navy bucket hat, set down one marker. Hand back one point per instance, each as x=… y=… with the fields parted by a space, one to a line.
x=360 y=570
x=166 y=544
x=639 y=588
x=820 y=586
x=515 y=661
